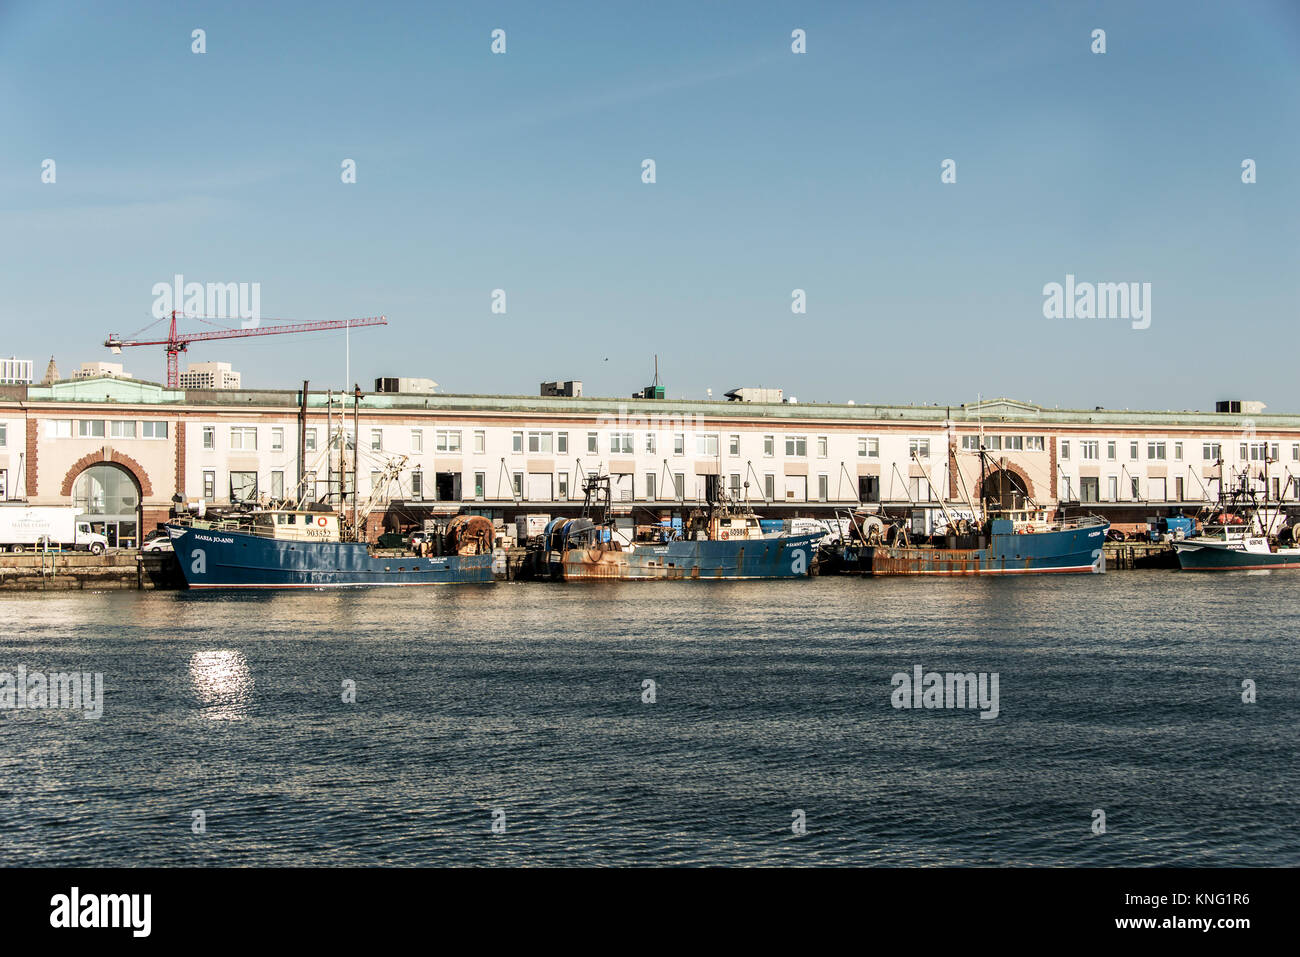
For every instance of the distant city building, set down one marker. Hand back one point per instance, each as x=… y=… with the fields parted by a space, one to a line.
x=94 y=370
x=15 y=371
x=571 y=389
x=210 y=375
x=405 y=385
x=51 y=373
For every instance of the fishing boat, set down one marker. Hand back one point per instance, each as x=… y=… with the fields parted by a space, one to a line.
x=718 y=541
x=988 y=540
x=292 y=546
x=1237 y=536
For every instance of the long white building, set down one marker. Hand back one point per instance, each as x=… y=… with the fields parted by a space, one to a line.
x=123 y=450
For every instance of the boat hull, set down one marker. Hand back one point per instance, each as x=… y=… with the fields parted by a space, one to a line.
x=211 y=558
x=1230 y=556
x=786 y=556
x=1066 y=551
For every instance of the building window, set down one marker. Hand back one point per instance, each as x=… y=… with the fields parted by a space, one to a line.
x=309 y=440
x=1013 y=442
x=517 y=442
x=733 y=445
x=517 y=481
x=769 y=446
x=706 y=444
x=480 y=442
x=243 y=487
x=1178 y=451
x=562 y=442
x=650 y=444
x=277 y=485
x=679 y=485
x=277 y=440
x=1273 y=453
x=1112 y=488
x=650 y=485
x=823 y=487
x=769 y=486
x=1110 y=451
x=58 y=428
x=445 y=441
x=1065 y=448
x=4 y=434
x=1156 y=451
x=90 y=428
x=153 y=430
x=376 y=440
x=796 y=445
x=209 y=486
x=480 y=483
x=822 y=447
x=210 y=437
x=1088 y=450
x=541 y=441
x=417 y=485
x=735 y=485
x=1295 y=452
x=562 y=483
x=620 y=443
x=1137 y=494
x=243 y=439
x=417 y=440
x=869 y=448
x=121 y=429
x=679 y=443
x=918 y=447
x=591 y=441
x=1211 y=451
x=1035 y=443
x=1133 y=450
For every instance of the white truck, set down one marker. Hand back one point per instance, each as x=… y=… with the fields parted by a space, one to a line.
x=25 y=527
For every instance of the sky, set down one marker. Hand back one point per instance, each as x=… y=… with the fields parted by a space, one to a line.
x=775 y=171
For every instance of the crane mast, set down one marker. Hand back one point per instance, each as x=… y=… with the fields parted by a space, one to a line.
x=176 y=343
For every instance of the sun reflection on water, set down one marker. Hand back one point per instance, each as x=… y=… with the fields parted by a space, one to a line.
x=223 y=684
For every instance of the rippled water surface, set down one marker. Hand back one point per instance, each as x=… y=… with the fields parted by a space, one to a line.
x=1119 y=692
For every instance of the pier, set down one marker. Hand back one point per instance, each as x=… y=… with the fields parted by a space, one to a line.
x=66 y=571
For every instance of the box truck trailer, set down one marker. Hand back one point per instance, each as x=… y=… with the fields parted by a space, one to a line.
x=24 y=527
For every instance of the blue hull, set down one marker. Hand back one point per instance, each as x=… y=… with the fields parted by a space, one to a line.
x=1064 y=551
x=211 y=558
x=1211 y=559
x=787 y=556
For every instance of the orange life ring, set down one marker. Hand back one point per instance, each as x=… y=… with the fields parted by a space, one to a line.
x=723 y=534
x=322 y=521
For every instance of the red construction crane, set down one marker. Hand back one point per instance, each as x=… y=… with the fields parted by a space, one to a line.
x=176 y=344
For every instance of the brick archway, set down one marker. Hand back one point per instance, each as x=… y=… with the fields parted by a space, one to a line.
x=1021 y=477
x=112 y=457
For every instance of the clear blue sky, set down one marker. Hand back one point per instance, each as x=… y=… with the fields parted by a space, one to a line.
x=775 y=171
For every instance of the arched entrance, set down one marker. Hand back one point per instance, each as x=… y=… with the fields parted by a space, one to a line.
x=109 y=497
x=1005 y=489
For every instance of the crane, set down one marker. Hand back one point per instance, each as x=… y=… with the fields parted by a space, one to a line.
x=175 y=343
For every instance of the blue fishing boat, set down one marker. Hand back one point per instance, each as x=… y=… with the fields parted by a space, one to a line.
x=1005 y=546
x=1238 y=535
x=289 y=548
x=990 y=540
x=715 y=542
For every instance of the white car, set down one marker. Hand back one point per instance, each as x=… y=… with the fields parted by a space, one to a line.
x=163 y=543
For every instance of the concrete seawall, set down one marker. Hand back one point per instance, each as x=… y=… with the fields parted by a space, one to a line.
x=81 y=570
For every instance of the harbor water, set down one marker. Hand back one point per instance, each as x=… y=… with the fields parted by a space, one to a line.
x=226 y=738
